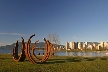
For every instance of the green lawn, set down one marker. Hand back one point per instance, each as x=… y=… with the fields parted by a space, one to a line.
x=55 y=64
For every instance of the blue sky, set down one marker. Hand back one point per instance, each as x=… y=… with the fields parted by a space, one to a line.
x=71 y=20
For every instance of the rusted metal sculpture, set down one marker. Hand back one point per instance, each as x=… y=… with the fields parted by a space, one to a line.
x=22 y=54
x=28 y=54
x=32 y=57
x=33 y=54
x=48 y=52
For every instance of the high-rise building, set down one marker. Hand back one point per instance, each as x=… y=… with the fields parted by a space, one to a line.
x=98 y=47
x=94 y=46
x=72 y=45
x=84 y=45
x=102 y=44
x=80 y=45
x=90 y=46
x=67 y=45
x=106 y=45
x=76 y=45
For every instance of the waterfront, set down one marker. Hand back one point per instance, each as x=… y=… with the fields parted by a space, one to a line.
x=83 y=54
x=65 y=53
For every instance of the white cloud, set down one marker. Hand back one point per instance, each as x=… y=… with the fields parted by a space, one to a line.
x=75 y=38
x=18 y=34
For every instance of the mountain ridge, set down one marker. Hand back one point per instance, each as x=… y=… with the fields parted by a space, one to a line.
x=39 y=44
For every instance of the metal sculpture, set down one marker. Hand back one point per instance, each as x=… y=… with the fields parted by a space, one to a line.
x=28 y=54
x=32 y=57
x=22 y=54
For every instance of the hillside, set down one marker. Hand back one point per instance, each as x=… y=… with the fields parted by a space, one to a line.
x=40 y=44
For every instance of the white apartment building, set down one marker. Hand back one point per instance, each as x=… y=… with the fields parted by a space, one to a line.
x=72 y=45
x=94 y=45
x=98 y=46
x=84 y=45
x=102 y=44
x=106 y=45
x=80 y=45
x=90 y=46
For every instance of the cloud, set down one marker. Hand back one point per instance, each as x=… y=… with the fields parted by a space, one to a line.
x=75 y=38
x=18 y=34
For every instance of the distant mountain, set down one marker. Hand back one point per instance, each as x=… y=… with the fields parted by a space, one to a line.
x=40 y=44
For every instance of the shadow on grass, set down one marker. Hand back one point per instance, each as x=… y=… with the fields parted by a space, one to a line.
x=54 y=61
x=5 y=58
x=62 y=60
x=91 y=59
x=103 y=58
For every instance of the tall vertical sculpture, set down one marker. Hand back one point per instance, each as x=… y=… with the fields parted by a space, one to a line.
x=28 y=54
x=22 y=54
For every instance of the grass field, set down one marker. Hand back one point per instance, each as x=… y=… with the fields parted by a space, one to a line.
x=55 y=64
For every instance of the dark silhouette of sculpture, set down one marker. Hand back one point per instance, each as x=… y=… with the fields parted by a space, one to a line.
x=22 y=54
x=15 y=50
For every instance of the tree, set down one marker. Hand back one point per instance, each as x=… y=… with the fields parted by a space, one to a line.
x=54 y=39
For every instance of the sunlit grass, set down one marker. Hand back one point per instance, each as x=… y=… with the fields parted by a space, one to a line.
x=55 y=64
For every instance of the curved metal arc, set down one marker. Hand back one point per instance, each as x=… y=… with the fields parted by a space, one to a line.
x=33 y=48
x=22 y=56
x=47 y=53
x=52 y=50
x=28 y=54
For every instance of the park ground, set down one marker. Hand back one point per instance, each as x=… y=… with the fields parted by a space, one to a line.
x=55 y=64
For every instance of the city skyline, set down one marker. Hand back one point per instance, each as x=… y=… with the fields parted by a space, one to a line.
x=86 y=46
x=72 y=20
